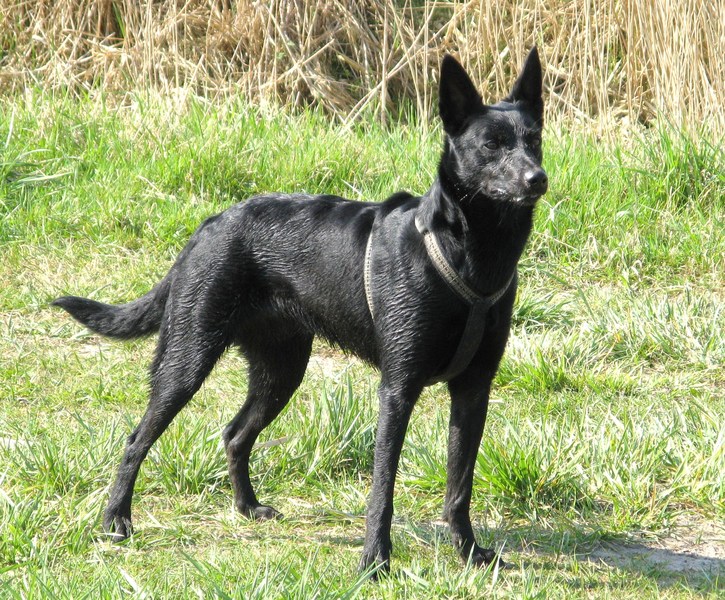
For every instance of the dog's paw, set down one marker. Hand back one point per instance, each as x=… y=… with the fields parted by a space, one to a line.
x=117 y=526
x=375 y=563
x=483 y=557
x=266 y=513
x=260 y=512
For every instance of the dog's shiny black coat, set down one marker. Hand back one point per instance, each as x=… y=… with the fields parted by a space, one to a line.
x=270 y=273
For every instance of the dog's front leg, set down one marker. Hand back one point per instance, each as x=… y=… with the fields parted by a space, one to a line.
x=469 y=404
x=396 y=405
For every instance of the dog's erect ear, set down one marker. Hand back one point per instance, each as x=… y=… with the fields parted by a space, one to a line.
x=528 y=87
x=457 y=96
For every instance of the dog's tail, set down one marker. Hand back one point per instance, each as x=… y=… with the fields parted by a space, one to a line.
x=140 y=317
x=125 y=321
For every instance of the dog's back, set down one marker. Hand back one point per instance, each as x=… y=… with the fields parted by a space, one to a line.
x=298 y=259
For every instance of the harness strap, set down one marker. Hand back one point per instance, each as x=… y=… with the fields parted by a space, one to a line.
x=367 y=275
x=469 y=343
x=479 y=305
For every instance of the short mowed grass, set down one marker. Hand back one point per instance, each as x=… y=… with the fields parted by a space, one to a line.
x=607 y=423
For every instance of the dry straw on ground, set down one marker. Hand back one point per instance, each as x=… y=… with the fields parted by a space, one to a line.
x=614 y=60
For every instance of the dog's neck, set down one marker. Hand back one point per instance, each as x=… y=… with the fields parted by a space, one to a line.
x=492 y=233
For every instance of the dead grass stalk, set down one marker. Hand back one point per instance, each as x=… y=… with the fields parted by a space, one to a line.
x=615 y=61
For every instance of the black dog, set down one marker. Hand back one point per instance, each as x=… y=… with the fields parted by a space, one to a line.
x=270 y=273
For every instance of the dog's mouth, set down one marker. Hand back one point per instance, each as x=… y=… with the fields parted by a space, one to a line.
x=522 y=199
x=526 y=200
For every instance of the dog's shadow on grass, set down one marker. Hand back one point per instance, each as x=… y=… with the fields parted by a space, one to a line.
x=666 y=565
x=694 y=558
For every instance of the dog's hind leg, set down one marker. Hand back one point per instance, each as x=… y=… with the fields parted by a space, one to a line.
x=185 y=355
x=277 y=364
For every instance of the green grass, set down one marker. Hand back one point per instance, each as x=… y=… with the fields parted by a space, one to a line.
x=606 y=431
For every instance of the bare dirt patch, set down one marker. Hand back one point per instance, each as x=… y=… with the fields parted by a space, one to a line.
x=694 y=549
x=330 y=362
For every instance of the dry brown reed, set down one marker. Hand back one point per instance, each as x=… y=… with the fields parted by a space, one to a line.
x=612 y=61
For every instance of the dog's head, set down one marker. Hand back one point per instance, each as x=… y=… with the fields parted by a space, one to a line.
x=493 y=151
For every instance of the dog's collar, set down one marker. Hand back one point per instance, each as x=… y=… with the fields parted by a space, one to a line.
x=447 y=272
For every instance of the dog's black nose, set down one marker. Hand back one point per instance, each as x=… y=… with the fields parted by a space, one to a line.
x=537 y=180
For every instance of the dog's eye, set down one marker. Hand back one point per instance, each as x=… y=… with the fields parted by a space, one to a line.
x=535 y=142
x=492 y=145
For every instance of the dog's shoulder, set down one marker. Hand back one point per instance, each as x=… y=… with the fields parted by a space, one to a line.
x=397 y=200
